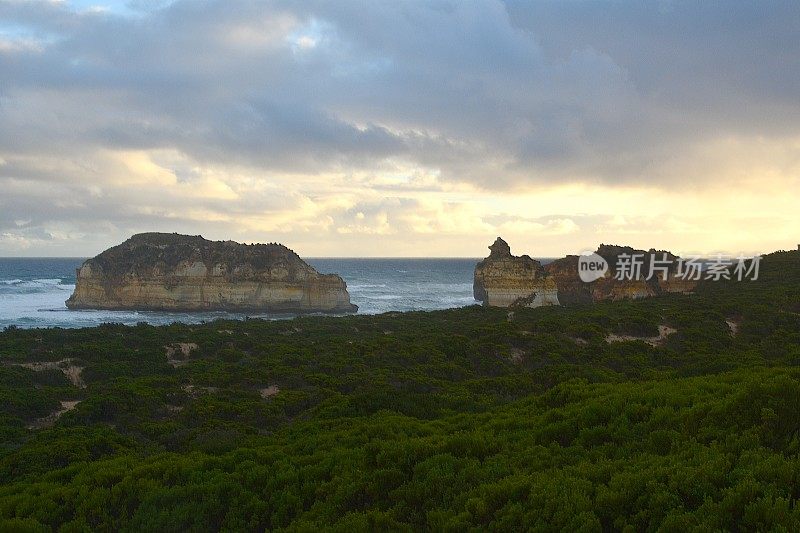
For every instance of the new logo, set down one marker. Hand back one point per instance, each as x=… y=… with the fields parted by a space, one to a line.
x=591 y=267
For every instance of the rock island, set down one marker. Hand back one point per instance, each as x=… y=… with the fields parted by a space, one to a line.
x=172 y=272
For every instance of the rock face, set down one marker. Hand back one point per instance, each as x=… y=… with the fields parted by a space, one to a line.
x=504 y=280
x=167 y=271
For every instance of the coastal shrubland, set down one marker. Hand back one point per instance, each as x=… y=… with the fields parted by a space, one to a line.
x=569 y=418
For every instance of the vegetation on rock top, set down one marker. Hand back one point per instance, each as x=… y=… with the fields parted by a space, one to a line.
x=144 y=251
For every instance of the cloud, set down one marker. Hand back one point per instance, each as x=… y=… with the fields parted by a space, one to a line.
x=488 y=93
x=257 y=117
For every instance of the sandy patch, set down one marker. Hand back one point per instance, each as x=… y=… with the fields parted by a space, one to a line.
x=195 y=390
x=49 y=420
x=663 y=332
x=269 y=392
x=515 y=355
x=179 y=352
x=72 y=372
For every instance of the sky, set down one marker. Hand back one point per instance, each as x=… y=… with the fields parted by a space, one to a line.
x=413 y=128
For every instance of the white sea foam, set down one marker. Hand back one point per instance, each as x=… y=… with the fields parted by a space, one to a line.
x=34 y=295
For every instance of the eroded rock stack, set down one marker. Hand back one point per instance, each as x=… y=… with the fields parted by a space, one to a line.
x=168 y=271
x=504 y=280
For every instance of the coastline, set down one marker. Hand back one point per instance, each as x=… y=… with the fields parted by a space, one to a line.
x=376 y=286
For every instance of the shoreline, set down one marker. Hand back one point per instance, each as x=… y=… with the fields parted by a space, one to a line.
x=237 y=319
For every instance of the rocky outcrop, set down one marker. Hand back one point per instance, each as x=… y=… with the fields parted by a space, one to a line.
x=168 y=271
x=504 y=280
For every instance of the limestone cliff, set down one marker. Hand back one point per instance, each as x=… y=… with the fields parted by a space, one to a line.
x=504 y=280
x=167 y=271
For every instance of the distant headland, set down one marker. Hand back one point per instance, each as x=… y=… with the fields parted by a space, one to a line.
x=505 y=280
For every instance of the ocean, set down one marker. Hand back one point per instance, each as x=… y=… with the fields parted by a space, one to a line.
x=33 y=290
